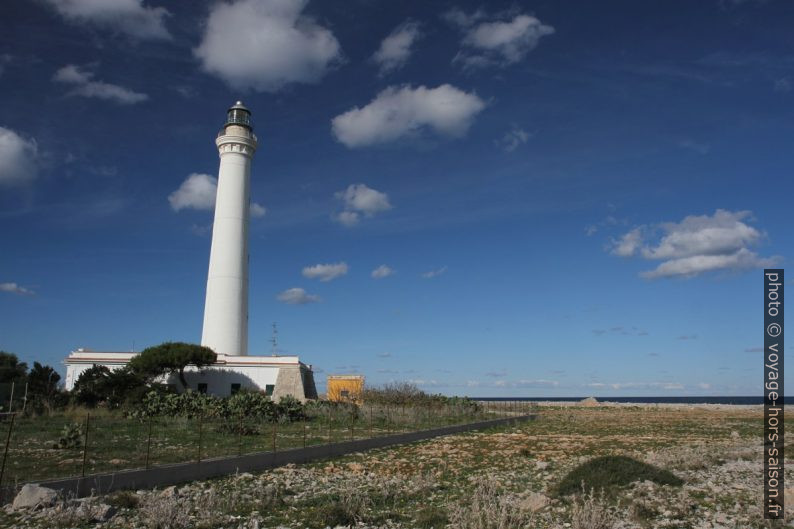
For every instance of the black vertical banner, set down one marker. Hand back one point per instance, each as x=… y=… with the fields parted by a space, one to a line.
x=773 y=394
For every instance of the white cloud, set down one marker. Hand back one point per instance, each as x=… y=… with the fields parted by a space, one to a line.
x=18 y=158
x=783 y=85
x=504 y=40
x=265 y=44
x=704 y=385
x=434 y=273
x=85 y=87
x=199 y=191
x=297 y=296
x=512 y=139
x=14 y=288
x=382 y=271
x=196 y=192
x=257 y=210
x=384 y=354
x=399 y=112
x=395 y=49
x=697 y=244
x=126 y=16
x=669 y=386
x=360 y=200
x=628 y=244
x=325 y=272
x=458 y=17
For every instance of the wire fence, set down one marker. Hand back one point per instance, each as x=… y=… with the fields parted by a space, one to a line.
x=77 y=444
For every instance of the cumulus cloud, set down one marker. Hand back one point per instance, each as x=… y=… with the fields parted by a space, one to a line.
x=14 y=288
x=382 y=271
x=384 y=354
x=18 y=158
x=395 y=50
x=199 y=191
x=434 y=273
x=400 y=112
x=297 y=296
x=503 y=40
x=512 y=139
x=84 y=86
x=265 y=44
x=325 y=272
x=696 y=245
x=196 y=192
x=130 y=17
x=358 y=200
x=669 y=386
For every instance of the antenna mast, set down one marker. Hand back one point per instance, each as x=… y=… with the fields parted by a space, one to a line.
x=274 y=340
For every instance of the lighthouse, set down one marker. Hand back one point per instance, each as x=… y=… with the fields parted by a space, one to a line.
x=225 y=329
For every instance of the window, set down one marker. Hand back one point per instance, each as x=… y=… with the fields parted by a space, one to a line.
x=269 y=389
x=202 y=388
x=235 y=388
x=344 y=393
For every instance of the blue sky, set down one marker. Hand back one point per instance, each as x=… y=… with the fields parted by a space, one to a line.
x=505 y=199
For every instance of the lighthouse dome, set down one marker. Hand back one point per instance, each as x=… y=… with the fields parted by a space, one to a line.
x=239 y=114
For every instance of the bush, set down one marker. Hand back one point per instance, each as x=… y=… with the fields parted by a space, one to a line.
x=590 y=512
x=489 y=507
x=407 y=394
x=611 y=472
x=71 y=437
x=246 y=404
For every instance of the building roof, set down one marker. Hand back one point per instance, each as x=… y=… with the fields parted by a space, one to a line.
x=82 y=356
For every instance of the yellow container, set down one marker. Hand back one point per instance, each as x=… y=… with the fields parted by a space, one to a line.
x=345 y=388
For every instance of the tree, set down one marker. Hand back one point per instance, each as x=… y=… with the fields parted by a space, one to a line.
x=11 y=369
x=98 y=384
x=43 y=380
x=91 y=386
x=171 y=357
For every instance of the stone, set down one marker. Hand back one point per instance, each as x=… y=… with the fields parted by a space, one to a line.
x=355 y=467
x=541 y=465
x=534 y=502
x=98 y=512
x=589 y=402
x=33 y=496
x=169 y=492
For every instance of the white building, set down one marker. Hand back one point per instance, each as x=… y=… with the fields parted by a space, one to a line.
x=225 y=329
x=275 y=375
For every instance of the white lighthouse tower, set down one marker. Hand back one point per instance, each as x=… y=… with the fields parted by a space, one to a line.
x=225 y=328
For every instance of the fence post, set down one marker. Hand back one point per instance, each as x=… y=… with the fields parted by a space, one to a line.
x=352 y=425
x=370 y=421
x=5 y=452
x=148 y=443
x=85 y=442
x=25 y=398
x=198 y=457
x=329 y=425
x=11 y=399
x=304 y=430
x=275 y=433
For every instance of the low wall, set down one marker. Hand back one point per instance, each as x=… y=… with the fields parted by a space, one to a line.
x=211 y=468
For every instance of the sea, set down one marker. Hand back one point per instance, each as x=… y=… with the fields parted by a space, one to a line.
x=646 y=400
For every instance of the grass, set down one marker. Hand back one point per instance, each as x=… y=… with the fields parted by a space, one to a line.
x=116 y=443
x=608 y=473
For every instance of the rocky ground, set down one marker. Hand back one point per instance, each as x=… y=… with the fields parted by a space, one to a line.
x=501 y=478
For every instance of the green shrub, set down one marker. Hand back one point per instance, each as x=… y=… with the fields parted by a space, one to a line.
x=71 y=437
x=246 y=404
x=608 y=473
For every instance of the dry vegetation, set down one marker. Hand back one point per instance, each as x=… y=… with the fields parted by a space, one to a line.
x=498 y=479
